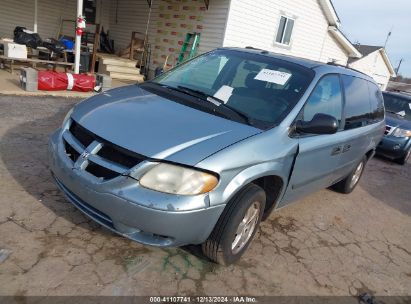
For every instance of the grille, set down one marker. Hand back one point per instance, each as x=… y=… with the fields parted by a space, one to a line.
x=71 y=152
x=388 y=130
x=100 y=171
x=109 y=154
x=119 y=155
x=81 y=134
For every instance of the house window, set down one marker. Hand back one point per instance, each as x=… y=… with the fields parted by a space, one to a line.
x=285 y=29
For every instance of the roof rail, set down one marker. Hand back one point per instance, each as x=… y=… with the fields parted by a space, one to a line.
x=257 y=49
x=346 y=66
x=252 y=48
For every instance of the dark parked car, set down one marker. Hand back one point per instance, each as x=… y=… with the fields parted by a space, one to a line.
x=396 y=143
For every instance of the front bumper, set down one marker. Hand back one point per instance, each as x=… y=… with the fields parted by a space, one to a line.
x=393 y=147
x=123 y=206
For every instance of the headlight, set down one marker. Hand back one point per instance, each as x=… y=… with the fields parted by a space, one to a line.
x=178 y=180
x=67 y=117
x=398 y=132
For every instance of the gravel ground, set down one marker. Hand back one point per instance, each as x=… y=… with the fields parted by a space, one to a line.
x=326 y=244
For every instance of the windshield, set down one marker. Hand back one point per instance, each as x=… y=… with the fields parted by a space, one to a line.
x=399 y=105
x=262 y=88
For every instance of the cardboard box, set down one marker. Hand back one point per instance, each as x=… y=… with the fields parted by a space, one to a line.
x=14 y=50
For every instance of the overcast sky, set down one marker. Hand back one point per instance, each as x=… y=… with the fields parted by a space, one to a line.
x=369 y=21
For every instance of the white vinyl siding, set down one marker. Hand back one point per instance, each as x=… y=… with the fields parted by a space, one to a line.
x=255 y=23
x=332 y=50
x=374 y=65
x=214 y=25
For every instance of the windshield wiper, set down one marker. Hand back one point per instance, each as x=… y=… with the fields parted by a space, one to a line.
x=215 y=101
x=206 y=97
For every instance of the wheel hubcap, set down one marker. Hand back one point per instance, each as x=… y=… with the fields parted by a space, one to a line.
x=246 y=227
x=357 y=174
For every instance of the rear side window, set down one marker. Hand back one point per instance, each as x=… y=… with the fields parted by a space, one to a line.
x=377 y=103
x=357 y=102
x=326 y=98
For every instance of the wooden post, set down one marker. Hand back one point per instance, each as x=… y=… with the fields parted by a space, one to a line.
x=95 y=48
x=132 y=46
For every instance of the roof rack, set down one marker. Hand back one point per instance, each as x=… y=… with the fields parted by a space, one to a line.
x=337 y=64
x=256 y=49
x=346 y=66
x=252 y=48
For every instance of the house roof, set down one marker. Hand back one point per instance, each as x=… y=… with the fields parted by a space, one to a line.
x=365 y=50
x=334 y=24
x=347 y=45
x=330 y=12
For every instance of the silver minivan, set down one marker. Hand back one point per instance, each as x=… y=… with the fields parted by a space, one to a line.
x=204 y=152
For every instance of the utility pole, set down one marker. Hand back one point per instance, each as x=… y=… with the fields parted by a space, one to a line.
x=399 y=65
x=388 y=37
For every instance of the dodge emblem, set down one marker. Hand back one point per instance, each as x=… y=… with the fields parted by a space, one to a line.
x=85 y=155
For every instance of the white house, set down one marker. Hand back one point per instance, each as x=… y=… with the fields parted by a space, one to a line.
x=305 y=28
x=375 y=62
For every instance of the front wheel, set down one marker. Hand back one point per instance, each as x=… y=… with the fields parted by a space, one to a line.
x=403 y=160
x=348 y=184
x=236 y=227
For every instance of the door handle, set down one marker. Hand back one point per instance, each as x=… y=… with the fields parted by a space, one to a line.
x=346 y=148
x=336 y=150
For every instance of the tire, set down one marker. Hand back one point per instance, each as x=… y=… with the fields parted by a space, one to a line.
x=403 y=160
x=219 y=245
x=348 y=184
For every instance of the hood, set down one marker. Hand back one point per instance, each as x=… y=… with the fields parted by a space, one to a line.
x=156 y=127
x=397 y=121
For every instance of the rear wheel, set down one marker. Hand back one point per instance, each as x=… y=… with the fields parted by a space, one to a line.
x=403 y=160
x=236 y=227
x=348 y=184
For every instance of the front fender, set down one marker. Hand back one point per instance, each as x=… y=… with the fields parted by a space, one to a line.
x=235 y=182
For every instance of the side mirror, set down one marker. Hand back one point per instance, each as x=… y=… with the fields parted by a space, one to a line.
x=320 y=124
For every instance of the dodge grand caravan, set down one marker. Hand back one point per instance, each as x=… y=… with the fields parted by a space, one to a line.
x=204 y=152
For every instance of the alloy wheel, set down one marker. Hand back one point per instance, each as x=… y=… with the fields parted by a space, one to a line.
x=246 y=227
x=357 y=174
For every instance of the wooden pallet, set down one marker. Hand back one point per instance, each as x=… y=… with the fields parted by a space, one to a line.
x=11 y=61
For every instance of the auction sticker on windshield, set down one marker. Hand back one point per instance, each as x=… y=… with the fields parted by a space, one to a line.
x=273 y=76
